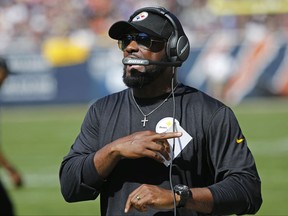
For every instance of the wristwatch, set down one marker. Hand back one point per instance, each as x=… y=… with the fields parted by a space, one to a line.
x=184 y=192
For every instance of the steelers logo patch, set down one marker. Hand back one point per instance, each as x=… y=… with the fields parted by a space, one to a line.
x=140 y=17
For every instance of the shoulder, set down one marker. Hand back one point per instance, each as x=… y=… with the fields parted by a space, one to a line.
x=110 y=100
x=199 y=99
x=201 y=107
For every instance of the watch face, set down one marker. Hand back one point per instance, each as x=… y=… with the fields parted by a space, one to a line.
x=184 y=193
x=183 y=187
x=182 y=190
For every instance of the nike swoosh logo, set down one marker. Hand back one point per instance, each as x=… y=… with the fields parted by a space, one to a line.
x=239 y=140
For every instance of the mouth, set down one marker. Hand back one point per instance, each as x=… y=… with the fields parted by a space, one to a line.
x=135 y=68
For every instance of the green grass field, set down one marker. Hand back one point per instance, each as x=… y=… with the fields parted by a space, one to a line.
x=36 y=138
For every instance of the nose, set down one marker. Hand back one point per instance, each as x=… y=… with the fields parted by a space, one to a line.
x=132 y=47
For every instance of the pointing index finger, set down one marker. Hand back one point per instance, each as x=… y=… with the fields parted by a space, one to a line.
x=168 y=135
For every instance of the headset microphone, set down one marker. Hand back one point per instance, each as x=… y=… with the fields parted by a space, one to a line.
x=133 y=61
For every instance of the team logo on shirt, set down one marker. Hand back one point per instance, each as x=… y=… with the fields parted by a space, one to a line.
x=140 y=17
x=170 y=124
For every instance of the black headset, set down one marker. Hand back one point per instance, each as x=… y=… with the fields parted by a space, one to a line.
x=178 y=47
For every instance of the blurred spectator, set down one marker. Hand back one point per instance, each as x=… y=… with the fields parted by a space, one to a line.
x=218 y=65
x=6 y=205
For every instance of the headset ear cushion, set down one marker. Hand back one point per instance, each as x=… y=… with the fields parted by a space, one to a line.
x=171 y=47
x=183 y=48
x=178 y=49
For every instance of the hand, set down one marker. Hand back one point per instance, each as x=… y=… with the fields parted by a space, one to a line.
x=14 y=174
x=137 y=145
x=149 y=196
x=16 y=178
x=145 y=144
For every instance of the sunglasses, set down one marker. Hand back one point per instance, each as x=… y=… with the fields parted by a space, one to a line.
x=143 y=40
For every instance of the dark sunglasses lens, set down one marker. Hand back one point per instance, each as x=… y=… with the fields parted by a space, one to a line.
x=143 y=40
x=124 y=41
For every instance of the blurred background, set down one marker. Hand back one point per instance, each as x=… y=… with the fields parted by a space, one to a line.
x=61 y=60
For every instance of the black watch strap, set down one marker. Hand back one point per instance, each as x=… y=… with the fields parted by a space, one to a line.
x=184 y=192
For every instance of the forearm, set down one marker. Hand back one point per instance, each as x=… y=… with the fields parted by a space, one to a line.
x=230 y=196
x=160 y=198
x=137 y=145
x=201 y=201
x=106 y=159
x=84 y=174
x=5 y=164
x=3 y=161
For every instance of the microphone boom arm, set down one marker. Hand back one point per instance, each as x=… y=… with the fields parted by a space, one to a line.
x=134 y=61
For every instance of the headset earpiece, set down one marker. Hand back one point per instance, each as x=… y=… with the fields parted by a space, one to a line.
x=177 y=47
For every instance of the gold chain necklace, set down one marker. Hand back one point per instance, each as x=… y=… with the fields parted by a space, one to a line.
x=145 y=119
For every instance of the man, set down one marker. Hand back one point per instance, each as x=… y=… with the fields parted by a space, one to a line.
x=6 y=205
x=160 y=147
